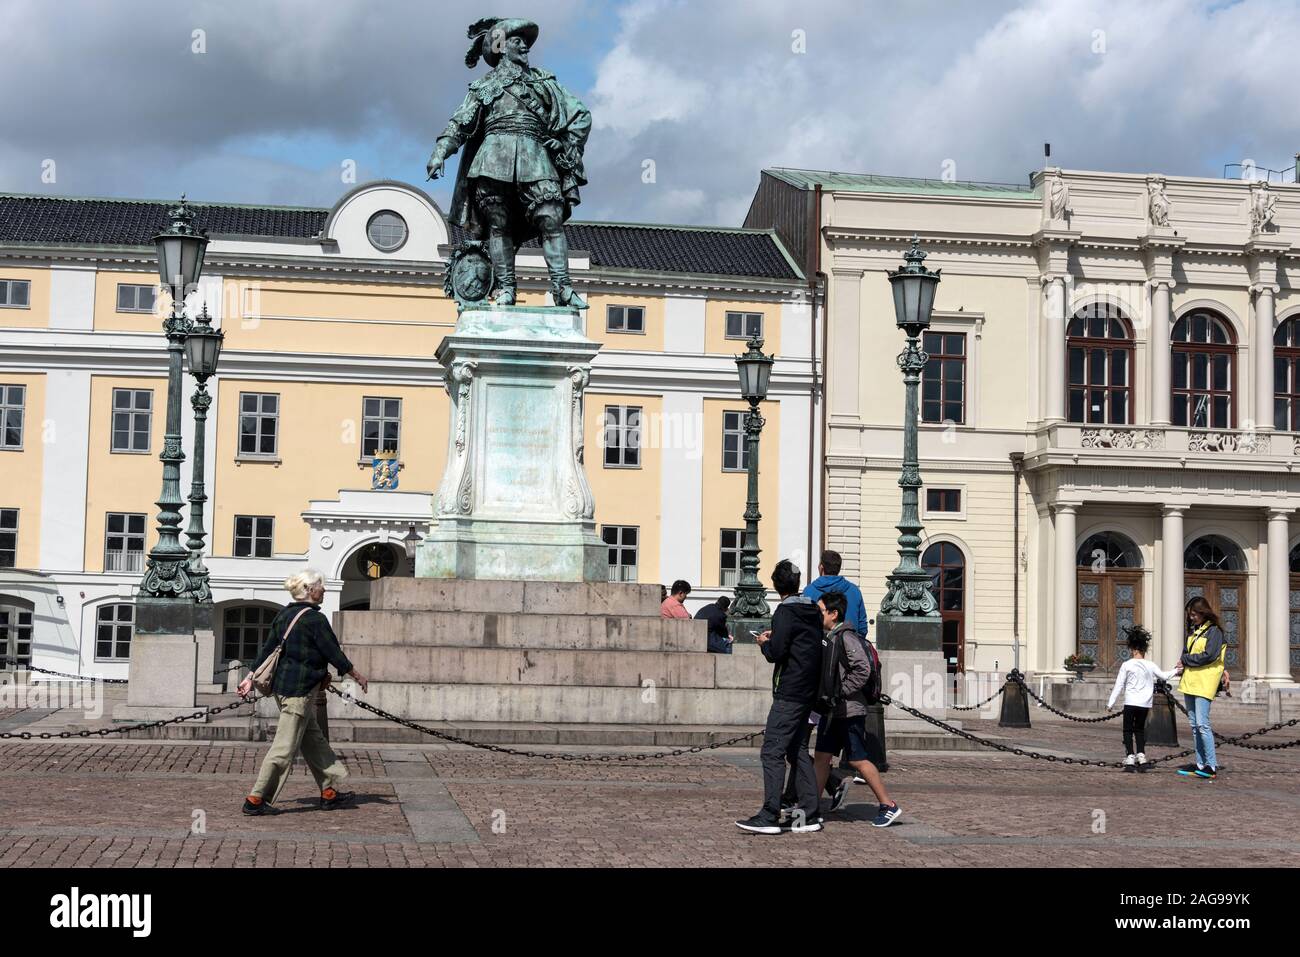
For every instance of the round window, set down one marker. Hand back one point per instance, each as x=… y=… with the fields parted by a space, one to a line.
x=387 y=231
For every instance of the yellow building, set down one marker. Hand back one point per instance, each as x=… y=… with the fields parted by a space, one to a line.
x=331 y=320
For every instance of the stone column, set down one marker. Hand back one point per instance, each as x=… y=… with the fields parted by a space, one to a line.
x=1168 y=637
x=1054 y=317
x=1161 y=309
x=1263 y=349
x=1277 y=644
x=1066 y=619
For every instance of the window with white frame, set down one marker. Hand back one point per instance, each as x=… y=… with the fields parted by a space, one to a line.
x=132 y=297
x=13 y=401
x=244 y=629
x=625 y=318
x=15 y=293
x=382 y=425
x=735 y=457
x=124 y=541
x=622 y=436
x=622 y=541
x=732 y=541
x=113 y=626
x=8 y=537
x=254 y=535
x=744 y=325
x=132 y=420
x=259 y=423
x=939 y=501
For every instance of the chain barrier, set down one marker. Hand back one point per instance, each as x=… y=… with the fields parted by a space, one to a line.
x=972 y=707
x=62 y=674
x=1030 y=691
x=126 y=729
x=1220 y=739
x=550 y=755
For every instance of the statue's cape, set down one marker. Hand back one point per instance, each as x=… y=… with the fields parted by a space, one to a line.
x=566 y=120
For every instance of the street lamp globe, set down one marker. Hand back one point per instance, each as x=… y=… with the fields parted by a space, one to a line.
x=914 y=288
x=181 y=247
x=410 y=540
x=755 y=371
x=203 y=347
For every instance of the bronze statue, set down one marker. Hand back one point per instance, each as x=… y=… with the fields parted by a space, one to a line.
x=523 y=136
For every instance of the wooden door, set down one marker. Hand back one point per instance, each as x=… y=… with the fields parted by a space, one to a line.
x=1110 y=602
x=1226 y=593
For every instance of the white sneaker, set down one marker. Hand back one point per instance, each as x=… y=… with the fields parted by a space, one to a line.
x=1130 y=763
x=1142 y=757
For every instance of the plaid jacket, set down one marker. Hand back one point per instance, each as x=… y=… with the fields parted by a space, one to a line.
x=312 y=646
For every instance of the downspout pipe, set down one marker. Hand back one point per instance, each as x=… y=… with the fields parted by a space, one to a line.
x=1017 y=466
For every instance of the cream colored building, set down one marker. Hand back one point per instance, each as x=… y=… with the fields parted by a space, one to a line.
x=1116 y=358
x=331 y=320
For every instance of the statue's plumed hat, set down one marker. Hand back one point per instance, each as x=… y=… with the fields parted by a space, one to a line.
x=484 y=34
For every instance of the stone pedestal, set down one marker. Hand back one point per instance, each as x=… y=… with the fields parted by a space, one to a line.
x=164 y=659
x=205 y=663
x=913 y=670
x=514 y=503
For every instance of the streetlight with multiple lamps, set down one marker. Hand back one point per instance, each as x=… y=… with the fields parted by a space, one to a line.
x=750 y=606
x=202 y=349
x=181 y=247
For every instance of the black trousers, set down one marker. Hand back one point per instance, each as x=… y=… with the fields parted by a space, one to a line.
x=1135 y=727
x=785 y=739
x=790 y=797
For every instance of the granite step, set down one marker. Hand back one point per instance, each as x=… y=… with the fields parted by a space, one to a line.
x=618 y=599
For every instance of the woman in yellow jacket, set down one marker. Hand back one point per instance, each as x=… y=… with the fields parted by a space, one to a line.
x=1202 y=665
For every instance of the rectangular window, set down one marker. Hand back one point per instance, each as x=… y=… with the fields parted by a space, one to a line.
x=622 y=437
x=622 y=543
x=625 y=318
x=134 y=298
x=744 y=325
x=15 y=293
x=943 y=500
x=132 y=420
x=253 y=535
x=13 y=401
x=113 y=625
x=382 y=428
x=732 y=539
x=943 y=380
x=124 y=542
x=259 y=423
x=8 y=537
x=734 y=457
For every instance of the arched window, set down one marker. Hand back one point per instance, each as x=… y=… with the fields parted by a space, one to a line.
x=1099 y=365
x=1204 y=379
x=113 y=627
x=1109 y=550
x=1213 y=553
x=244 y=629
x=1286 y=376
x=947 y=567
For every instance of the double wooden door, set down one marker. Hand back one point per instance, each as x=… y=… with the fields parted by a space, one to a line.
x=1226 y=593
x=1109 y=604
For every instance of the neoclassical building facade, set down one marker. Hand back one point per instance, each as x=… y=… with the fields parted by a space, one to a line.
x=1110 y=414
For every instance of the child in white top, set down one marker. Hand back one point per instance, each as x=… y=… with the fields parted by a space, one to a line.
x=1137 y=679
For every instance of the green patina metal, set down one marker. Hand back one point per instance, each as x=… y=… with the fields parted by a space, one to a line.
x=522 y=137
x=875 y=183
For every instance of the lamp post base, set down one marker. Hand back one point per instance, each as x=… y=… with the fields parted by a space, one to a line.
x=913 y=670
x=740 y=628
x=165 y=657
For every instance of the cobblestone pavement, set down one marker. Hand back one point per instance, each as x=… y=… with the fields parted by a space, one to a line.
x=162 y=804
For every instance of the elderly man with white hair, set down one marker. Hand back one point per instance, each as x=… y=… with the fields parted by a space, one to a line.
x=310 y=646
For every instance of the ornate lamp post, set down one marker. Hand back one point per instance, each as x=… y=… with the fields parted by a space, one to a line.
x=180 y=261
x=750 y=605
x=202 y=349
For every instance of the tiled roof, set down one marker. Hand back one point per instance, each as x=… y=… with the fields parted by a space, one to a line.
x=875 y=183
x=110 y=222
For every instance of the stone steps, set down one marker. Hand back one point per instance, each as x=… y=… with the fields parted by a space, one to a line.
x=617 y=599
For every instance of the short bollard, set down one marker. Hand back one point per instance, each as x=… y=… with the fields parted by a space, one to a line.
x=1162 y=728
x=1015 y=704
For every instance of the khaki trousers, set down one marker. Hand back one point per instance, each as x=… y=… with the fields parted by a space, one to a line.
x=298 y=730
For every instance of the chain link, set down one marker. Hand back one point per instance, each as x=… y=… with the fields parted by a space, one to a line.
x=1030 y=691
x=61 y=674
x=126 y=729
x=972 y=707
x=1220 y=739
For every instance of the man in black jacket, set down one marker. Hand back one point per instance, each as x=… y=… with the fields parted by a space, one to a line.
x=715 y=614
x=794 y=646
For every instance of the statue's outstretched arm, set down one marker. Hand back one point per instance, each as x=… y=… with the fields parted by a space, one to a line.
x=459 y=128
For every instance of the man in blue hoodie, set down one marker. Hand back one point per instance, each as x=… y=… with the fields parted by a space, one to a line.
x=829 y=580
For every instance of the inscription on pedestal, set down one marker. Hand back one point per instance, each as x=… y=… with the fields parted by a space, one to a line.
x=519 y=448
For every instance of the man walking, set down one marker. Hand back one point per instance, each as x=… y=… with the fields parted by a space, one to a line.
x=830 y=581
x=716 y=615
x=794 y=646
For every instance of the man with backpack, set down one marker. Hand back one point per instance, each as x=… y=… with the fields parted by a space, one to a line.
x=794 y=646
x=849 y=682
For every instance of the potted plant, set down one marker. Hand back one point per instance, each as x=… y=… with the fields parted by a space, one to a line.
x=1080 y=664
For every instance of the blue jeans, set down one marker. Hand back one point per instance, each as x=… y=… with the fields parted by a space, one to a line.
x=1198 y=715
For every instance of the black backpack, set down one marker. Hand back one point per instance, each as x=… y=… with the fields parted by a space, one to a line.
x=828 y=685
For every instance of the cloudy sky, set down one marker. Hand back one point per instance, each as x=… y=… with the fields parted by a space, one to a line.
x=266 y=101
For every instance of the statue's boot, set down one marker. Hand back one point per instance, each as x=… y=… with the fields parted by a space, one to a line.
x=501 y=252
x=555 y=249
